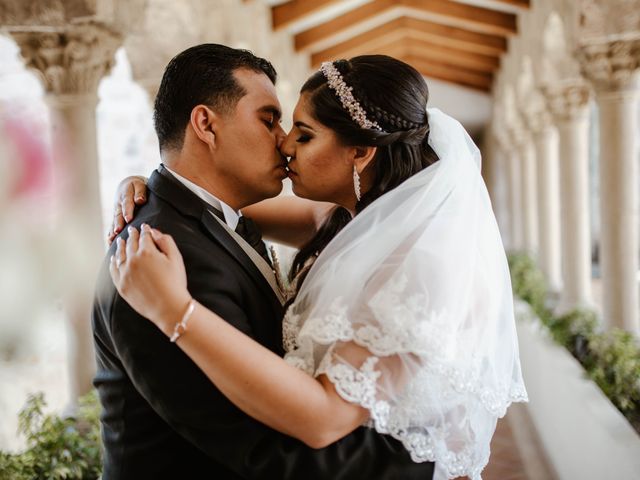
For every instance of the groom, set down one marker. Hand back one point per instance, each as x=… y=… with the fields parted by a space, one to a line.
x=217 y=119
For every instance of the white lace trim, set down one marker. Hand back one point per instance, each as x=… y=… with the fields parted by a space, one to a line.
x=404 y=331
x=360 y=386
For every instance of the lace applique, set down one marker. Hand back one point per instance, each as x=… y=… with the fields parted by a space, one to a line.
x=290 y=330
x=300 y=363
x=332 y=327
x=404 y=324
x=354 y=385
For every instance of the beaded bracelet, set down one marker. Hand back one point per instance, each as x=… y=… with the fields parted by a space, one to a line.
x=181 y=326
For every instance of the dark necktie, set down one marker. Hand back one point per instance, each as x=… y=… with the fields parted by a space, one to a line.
x=248 y=230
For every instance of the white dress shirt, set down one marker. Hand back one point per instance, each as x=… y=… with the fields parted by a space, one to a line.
x=231 y=216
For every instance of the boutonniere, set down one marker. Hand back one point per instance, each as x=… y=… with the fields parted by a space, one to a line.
x=287 y=290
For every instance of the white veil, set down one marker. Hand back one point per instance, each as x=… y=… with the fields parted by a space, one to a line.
x=409 y=312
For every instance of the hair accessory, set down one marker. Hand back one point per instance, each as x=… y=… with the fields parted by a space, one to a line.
x=344 y=92
x=356 y=182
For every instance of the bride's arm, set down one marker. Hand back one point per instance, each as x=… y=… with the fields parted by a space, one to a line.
x=262 y=384
x=286 y=219
x=255 y=379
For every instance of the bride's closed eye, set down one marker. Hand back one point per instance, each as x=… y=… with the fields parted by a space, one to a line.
x=304 y=138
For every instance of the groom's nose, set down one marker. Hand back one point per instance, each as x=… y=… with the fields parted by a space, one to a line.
x=286 y=146
x=280 y=137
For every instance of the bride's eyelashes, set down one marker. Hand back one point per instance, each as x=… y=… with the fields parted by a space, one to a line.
x=303 y=138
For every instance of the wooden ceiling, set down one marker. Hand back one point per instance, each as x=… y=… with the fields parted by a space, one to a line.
x=459 y=42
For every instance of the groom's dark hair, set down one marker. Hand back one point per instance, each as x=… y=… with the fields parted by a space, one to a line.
x=201 y=75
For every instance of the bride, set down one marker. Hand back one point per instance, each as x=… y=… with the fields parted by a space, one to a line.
x=401 y=309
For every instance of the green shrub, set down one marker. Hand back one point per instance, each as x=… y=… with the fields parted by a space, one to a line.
x=611 y=359
x=528 y=283
x=57 y=448
x=615 y=366
x=574 y=330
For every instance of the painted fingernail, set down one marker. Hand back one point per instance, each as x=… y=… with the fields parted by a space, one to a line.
x=130 y=229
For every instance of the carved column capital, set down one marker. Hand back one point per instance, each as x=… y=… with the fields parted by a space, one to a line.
x=70 y=60
x=568 y=101
x=613 y=66
x=534 y=112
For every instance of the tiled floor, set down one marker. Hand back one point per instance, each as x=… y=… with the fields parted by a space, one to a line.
x=516 y=453
x=505 y=462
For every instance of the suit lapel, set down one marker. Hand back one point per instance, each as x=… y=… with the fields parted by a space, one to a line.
x=163 y=184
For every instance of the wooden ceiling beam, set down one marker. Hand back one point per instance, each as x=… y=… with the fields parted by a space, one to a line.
x=456 y=37
x=421 y=35
x=286 y=13
x=412 y=46
x=369 y=10
x=525 y=4
x=457 y=75
x=481 y=19
x=325 y=30
x=452 y=56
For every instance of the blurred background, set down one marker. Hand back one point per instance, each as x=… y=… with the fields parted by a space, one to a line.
x=547 y=88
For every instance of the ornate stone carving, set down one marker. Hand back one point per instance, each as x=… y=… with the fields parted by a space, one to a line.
x=603 y=20
x=44 y=12
x=72 y=60
x=613 y=66
x=22 y=15
x=568 y=101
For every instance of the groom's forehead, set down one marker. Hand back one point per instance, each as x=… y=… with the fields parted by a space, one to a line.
x=255 y=82
x=257 y=86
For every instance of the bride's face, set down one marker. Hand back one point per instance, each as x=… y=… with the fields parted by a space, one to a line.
x=321 y=168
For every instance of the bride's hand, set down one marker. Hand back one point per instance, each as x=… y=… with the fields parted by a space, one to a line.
x=149 y=273
x=131 y=191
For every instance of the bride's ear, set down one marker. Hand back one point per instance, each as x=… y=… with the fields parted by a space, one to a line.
x=363 y=157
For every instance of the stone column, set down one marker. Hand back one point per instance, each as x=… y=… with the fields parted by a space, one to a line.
x=613 y=69
x=569 y=105
x=529 y=194
x=514 y=171
x=72 y=61
x=545 y=140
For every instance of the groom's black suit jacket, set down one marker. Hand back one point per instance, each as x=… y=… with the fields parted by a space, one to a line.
x=162 y=417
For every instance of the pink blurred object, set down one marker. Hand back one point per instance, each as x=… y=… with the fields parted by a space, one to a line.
x=32 y=159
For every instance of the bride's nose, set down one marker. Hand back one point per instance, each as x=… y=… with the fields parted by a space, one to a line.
x=287 y=147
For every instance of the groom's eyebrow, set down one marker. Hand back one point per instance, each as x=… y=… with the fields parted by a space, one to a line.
x=277 y=114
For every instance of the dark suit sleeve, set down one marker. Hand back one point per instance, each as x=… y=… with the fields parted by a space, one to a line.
x=185 y=398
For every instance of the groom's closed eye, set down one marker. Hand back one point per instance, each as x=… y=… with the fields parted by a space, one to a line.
x=270 y=116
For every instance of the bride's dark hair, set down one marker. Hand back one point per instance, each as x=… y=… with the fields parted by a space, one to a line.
x=394 y=95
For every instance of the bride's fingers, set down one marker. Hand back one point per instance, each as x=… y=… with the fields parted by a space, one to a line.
x=146 y=240
x=114 y=271
x=139 y=193
x=166 y=244
x=132 y=242
x=126 y=203
x=120 y=256
x=118 y=220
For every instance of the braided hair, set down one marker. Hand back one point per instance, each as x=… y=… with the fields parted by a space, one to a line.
x=394 y=95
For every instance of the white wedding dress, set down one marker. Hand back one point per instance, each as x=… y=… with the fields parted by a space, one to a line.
x=409 y=312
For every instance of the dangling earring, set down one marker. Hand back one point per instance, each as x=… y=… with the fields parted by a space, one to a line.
x=356 y=182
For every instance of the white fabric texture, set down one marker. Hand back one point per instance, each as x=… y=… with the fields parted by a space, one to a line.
x=409 y=312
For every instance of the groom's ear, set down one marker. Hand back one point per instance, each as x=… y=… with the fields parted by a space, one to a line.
x=204 y=121
x=362 y=157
